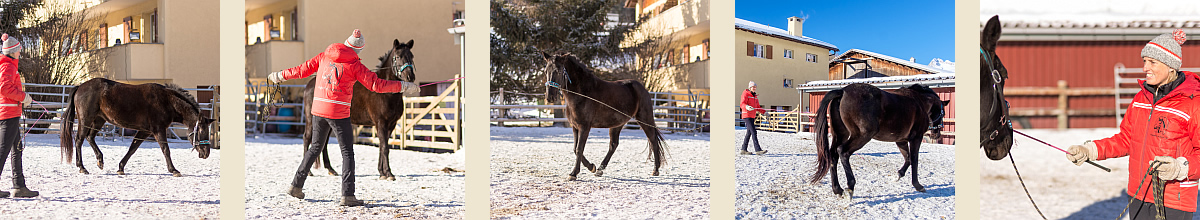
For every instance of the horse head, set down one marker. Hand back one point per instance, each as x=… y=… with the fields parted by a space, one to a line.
x=200 y=136
x=556 y=75
x=996 y=132
x=937 y=109
x=397 y=63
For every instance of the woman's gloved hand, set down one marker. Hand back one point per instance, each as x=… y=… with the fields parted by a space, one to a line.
x=1171 y=168
x=1078 y=154
x=411 y=89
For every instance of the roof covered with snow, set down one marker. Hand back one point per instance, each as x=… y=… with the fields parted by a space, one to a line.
x=751 y=26
x=1092 y=14
x=904 y=62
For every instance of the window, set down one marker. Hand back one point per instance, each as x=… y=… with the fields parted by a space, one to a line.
x=788 y=54
x=787 y=83
x=812 y=58
x=760 y=50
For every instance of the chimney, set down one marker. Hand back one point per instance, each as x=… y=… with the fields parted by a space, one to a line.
x=796 y=26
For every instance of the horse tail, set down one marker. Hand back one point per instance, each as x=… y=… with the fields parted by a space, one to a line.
x=645 y=114
x=822 y=134
x=68 y=120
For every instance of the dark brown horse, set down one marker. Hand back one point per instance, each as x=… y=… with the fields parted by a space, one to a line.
x=148 y=108
x=861 y=112
x=381 y=110
x=565 y=72
x=995 y=129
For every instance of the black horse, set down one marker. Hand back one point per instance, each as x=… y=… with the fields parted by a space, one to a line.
x=861 y=112
x=630 y=97
x=148 y=108
x=381 y=110
x=995 y=128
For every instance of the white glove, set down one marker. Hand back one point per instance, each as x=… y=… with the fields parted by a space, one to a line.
x=1079 y=154
x=1172 y=168
x=411 y=89
x=28 y=100
x=749 y=108
x=276 y=77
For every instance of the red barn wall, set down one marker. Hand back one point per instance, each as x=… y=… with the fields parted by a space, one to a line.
x=944 y=93
x=1081 y=64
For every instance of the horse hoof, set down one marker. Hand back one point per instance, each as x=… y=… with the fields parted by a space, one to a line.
x=100 y=164
x=655 y=173
x=599 y=172
x=83 y=171
x=177 y=174
x=837 y=192
x=120 y=172
x=849 y=194
x=920 y=188
x=389 y=178
x=331 y=173
x=570 y=178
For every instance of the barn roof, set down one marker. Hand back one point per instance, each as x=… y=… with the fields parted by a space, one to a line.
x=904 y=62
x=757 y=28
x=1091 y=20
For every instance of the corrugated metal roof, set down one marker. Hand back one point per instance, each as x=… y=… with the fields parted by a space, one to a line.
x=779 y=33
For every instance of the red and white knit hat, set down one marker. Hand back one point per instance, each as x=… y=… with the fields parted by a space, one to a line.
x=356 y=41
x=10 y=44
x=1167 y=48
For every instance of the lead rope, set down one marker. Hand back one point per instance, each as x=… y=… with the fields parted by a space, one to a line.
x=555 y=85
x=1151 y=171
x=1035 y=206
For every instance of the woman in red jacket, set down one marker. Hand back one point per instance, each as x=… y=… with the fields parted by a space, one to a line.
x=12 y=98
x=1157 y=129
x=750 y=109
x=337 y=69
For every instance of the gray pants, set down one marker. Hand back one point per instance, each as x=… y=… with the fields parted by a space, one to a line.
x=345 y=138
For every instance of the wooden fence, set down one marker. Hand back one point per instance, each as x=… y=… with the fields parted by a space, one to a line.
x=679 y=112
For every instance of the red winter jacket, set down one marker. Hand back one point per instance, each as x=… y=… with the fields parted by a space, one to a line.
x=11 y=91
x=750 y=99
x=337 y=69
x=1167 y=130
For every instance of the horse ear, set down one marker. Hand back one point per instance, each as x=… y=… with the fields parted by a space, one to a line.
x=396 y=43
x=410 y=44
x=945 y=103
x=991 y=34
x=545 y=55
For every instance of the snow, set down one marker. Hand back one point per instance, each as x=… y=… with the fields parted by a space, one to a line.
x=529 y=168
x=1094 y=12
x=422 y=188
x=775 y=185
x=942 y=64
x=762 y=28
x=1061 y=189
x=148 y=191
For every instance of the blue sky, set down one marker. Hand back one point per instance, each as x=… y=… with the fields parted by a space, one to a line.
x=901 y=29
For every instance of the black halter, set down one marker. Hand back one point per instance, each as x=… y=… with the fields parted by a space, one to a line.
x=996 y=80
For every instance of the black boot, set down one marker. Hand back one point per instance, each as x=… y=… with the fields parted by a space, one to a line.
x=19 y=189
x=351 y=201
x=24 y=192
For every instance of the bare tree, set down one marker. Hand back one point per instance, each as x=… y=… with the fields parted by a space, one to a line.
x=58 y=46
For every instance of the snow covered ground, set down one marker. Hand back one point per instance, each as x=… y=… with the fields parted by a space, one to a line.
x=529 y=168
x=147 y=192
x=427 y=185
x=1061 y=189
x=775 y=185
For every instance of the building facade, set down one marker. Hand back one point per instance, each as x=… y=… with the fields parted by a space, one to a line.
x=158 y=41
x=685 y=25
x=282 y=34
x=778 y=60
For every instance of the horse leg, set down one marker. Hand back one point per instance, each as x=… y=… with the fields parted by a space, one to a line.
x=161 y=138
x=385 y=169
x=855 y=142
x=137 y=141
x=581 y=135
x=96 y=149
x=904 y=153
x=614 y=136
x=832 y=154
x=914 y=150
x=84 y=134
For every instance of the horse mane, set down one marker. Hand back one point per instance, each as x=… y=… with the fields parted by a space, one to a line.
x=384 y=59
x=183 y=94
x=574 y=61
x=921 y=88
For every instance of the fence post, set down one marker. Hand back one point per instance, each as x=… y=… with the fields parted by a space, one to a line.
x=1062 y=104
x=503 y=112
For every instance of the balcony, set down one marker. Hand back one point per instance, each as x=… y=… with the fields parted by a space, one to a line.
x=682 y=17
x=135 y=61
x=276 y=55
